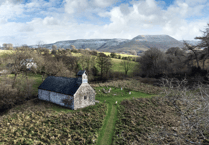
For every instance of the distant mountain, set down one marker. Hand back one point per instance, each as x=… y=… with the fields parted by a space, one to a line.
x=140 y=42
x=144 y=42
x=93 y=44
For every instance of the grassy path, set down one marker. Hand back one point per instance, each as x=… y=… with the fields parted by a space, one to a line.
x=106 y=134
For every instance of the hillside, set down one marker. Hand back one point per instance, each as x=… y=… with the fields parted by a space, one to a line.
x=144 y=42
x=140 y=42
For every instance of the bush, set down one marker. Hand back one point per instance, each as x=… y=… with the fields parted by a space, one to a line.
x=113 y=54
x=93 y=52
x=54 y=52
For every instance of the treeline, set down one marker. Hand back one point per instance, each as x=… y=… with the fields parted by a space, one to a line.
x=175 y=62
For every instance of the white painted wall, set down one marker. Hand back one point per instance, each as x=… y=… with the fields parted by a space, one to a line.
x=54 y=97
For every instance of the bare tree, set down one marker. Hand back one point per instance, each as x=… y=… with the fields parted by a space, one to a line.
x=133 y=52
x=19 y=60
x=193 y=111
x=204 y=55
x=148 y=61
x=54 y=47
x=127 y=65
x=73 y=49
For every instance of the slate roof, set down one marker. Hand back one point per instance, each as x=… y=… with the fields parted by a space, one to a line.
x=81 y=72
x=61 y=85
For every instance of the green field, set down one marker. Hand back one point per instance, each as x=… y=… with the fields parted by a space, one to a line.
x=122 y=55
x=116 y=67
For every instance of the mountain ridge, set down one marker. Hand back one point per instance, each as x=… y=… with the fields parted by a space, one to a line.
x=140 y=42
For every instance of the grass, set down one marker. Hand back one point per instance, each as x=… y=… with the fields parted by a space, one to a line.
x=119 y=68
x=108 y=127
x=122 y=55
x=36 y=77
x=106 y=133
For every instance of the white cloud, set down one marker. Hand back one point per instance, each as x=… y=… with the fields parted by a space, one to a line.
x=126 y=21
x=9 y=10
x=50 y=21
x=103 y=3
x=74 y=6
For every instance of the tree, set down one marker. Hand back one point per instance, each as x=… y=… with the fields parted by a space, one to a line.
x=176 y=57
x=93 y=52
x=148 y=62
x=133 y=52
x=73 y=49
x=204 y=44
x=194 y=51
x=104 y=64
x=19 y=60
x=54 y=47
x=119 y=56
x=113 y=54
x=126 y=65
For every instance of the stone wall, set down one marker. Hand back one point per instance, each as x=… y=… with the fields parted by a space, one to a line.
x=84 y=90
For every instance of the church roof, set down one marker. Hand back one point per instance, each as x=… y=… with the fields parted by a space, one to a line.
x=81 y=72
x=61 y=85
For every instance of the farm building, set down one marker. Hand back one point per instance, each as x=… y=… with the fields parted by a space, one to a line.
x=73 y=93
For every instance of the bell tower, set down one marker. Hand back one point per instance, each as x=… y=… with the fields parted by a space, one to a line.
x=82 y=77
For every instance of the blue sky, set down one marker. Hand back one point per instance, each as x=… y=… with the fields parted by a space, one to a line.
x=48 y=21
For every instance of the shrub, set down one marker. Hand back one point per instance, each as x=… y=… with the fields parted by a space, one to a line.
x=54 y=52
x=113 y=54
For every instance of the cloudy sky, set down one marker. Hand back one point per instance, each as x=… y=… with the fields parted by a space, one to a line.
x=47 y=21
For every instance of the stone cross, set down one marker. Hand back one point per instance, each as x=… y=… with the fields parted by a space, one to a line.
x=121 y=89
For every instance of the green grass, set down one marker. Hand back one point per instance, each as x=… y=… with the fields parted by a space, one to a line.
x=36 y=77
x=119 y=68
x=106 y=132
x=122 y=55
x=120 y=95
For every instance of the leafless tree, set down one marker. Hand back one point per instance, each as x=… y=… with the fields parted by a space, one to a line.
x=127 y=65
x=192 y=107
x=204 y=55
x=19 y=60
x=133 y=52
x=148 y=61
